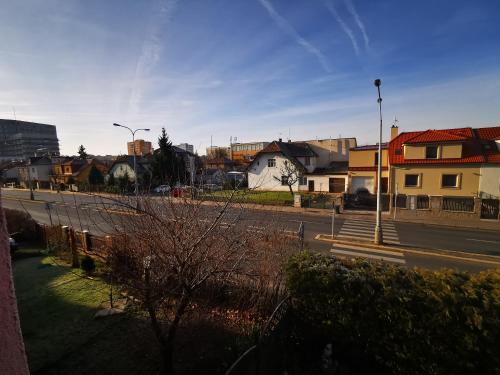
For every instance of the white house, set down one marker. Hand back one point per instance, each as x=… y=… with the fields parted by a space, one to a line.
x=272 y=165
x=315 y=166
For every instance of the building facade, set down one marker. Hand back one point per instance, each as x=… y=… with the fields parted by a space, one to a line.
x=244 y=153
x=140 y=146
x=363 y=169
x=186 y=147
x=21 y=139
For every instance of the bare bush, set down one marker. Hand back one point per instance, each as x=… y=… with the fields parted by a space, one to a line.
x=178 y=253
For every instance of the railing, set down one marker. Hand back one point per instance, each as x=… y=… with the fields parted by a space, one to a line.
x=459 y=204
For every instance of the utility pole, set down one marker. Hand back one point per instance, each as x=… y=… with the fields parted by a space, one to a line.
x=136 y=183
x=379 y=237
x=30 y=182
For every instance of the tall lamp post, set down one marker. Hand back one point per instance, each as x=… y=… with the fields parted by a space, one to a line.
x=136 y=184
x=379 y=237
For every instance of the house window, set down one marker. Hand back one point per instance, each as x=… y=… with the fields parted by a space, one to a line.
x=412 y=180
x=302 y=180
x=449 y=181
x=271 y=163
x=376 y=158
x=431 y=152
x=307 y=160
x=284 y=180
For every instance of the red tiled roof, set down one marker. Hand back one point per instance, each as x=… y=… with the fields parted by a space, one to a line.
x=471 y=147
x=490 y=134
x=446 y=135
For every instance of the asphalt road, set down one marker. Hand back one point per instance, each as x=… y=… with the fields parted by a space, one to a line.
x=94 y=214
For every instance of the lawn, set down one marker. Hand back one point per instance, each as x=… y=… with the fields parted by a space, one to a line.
x=281 y=198
x=57 y=308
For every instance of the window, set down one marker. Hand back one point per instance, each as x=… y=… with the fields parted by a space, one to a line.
x=302 y=180
x=284 y=180
x=412 y=180
x=307 y=160
x=449 y=181
x=271 y=163
x=376 y=158
x=431 y=152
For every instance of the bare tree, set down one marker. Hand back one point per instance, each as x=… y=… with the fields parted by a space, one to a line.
x=290 y=175
x=176 y=250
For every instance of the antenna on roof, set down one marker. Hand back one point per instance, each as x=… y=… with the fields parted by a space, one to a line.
x=395 y=122
x=14 y=110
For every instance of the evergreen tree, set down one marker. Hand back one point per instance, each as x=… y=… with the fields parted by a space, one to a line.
x=95 y=176
x=111 y=179
x=167 y=166
x=82 y=154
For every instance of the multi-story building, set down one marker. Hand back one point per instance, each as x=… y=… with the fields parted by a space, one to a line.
x=363 y=168
x=244 y=153
x=37 y=172
x=140 y=146
x=21 y=139
x=186 y=147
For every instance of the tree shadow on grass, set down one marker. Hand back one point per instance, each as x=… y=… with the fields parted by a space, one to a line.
x=57 y=308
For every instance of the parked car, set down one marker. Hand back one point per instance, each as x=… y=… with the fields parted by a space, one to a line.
x=13 y=245
x=162 y=189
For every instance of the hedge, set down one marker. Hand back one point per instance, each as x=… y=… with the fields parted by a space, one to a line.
x=407 y=321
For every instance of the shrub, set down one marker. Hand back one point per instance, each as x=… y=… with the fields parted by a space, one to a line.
x=23 y=225
x=87 y=264
x=408 y=321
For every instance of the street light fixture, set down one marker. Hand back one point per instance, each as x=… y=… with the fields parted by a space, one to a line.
x=136 y=185
x=379 y=237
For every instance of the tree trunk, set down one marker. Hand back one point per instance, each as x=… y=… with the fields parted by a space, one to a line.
x=291 y=191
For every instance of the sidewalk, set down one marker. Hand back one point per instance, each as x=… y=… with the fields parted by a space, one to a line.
x=386 y=216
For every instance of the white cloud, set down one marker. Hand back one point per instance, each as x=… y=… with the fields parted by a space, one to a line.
x=290 y=30
x=329 y=5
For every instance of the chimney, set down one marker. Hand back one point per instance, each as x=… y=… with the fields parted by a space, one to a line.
x=289 y=140
x=280 y=140
x=394 y=131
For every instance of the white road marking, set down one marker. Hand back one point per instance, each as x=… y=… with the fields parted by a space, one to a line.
x=365 y=255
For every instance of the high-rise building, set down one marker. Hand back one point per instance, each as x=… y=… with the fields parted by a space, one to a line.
x=21 y=139
x=186 y=147
x=142 y=147
x=244 y=153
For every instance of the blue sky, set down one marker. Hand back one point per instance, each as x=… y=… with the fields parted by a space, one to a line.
x=251 y=69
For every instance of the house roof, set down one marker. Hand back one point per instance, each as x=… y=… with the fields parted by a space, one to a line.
x=477 y=145
x=142 y=162
x=445 y=135
x=291 y=150
x=369 y=147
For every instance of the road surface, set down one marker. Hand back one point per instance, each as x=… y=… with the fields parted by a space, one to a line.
x=87 y=212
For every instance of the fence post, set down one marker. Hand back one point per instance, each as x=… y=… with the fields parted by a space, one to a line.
x=87 y=245
x=75 y=262
x=65 y=237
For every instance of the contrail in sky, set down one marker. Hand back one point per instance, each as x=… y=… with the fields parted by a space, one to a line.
x=343 y=25
x=354 y=13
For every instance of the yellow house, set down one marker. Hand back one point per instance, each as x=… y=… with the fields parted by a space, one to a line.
x=363 y=161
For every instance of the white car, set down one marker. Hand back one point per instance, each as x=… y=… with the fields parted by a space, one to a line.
x=162 y=189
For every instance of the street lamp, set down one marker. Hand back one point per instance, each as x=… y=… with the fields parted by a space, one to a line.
x=379 y=237
x=136 y=185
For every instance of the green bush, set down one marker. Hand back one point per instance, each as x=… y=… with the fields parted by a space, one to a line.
x=408 y=321
x=87 y=264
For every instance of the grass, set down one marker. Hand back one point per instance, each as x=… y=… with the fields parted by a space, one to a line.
x=61 y=336
x=56 y=309
x=282 y=198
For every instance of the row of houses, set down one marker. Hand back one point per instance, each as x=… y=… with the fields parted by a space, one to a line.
x=419 y=166
x=59 y=172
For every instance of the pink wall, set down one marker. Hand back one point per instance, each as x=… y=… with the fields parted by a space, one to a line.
x=12 y=355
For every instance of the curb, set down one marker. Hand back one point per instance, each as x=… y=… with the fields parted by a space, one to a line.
x=450 y=254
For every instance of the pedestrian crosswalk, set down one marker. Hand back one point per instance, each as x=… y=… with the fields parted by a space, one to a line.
x=360 y=251
x=364 y=230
